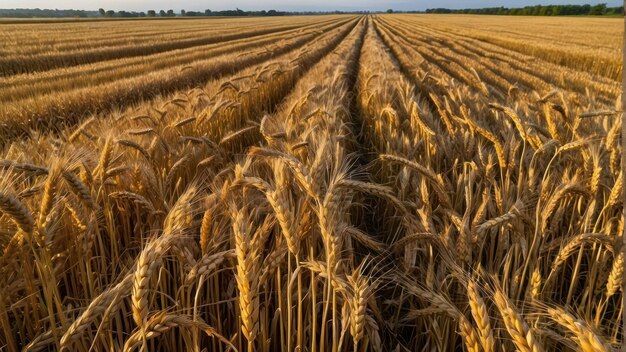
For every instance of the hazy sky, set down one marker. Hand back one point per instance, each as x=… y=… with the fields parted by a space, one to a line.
x=195 y=5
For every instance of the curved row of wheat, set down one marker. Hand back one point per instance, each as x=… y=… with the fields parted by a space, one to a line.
x=54 y=111
x=492 y=201
x=75 y=77
x=114 y=184
x=590 y=45
x=70 y=37
x=50 y=48
x=505 y=69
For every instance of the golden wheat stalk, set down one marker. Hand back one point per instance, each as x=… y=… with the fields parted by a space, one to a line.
x=162 y=322
x=522 y=335
x=580 y=331
x=481 y=317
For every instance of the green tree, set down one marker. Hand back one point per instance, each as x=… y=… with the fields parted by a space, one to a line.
x=162 y=13
x=102 y=12
x=597 y=10
x=170 y=13
x=151 y=13
x=555 y=10
x=182 y=12
x=389 y=10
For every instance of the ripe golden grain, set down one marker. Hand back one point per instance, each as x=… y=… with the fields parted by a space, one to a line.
x=329 y=183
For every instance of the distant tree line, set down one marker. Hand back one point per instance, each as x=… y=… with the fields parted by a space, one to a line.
x=46 y=13
x=538 y=10
x=111 y=13
x=541 y=10
x=236 y=12
x=49 y=13
x=171 y=13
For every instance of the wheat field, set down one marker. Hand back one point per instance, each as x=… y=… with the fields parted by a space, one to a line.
x=321 y=183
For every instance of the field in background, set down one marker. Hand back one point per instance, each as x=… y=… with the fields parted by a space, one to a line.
x=324 y=183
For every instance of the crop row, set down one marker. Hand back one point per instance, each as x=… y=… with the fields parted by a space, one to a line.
x=50 y=59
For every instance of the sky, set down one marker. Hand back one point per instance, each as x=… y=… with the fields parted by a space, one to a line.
x=284 y=5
